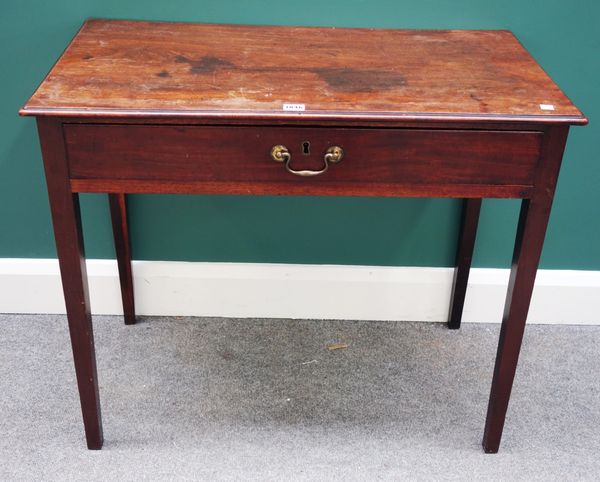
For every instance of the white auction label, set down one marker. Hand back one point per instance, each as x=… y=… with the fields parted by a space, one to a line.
x=293 y=107
x=546 y=107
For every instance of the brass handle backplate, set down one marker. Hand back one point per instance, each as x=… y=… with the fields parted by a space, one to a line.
x=280 y=153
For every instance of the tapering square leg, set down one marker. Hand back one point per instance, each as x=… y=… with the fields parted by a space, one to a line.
x=528 y=247
x=531 y=230
x=64 y=206
x=464 y=256
x=118 y=213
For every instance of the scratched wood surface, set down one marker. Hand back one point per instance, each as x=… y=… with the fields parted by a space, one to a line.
x=130 y=68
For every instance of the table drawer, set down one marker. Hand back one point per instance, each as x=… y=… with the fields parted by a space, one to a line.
x=243 y=154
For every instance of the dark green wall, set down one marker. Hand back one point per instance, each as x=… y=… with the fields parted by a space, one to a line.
x=563 y=36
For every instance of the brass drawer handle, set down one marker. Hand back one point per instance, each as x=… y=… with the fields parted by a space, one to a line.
x=281 y=153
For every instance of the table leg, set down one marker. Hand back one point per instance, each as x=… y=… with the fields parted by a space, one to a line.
x=533 y=220
x=528 y=247
x=464 y=255
x=118 y=213
x=64 y=206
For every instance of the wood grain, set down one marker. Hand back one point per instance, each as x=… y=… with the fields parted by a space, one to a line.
x=128 y=68
x=241 y=154
x=301 y=189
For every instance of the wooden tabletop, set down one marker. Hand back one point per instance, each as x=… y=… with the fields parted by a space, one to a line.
x=129 y=68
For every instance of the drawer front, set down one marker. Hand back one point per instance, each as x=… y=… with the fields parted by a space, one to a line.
x=216 y=154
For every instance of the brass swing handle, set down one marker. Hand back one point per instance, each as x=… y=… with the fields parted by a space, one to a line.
x=281 y=153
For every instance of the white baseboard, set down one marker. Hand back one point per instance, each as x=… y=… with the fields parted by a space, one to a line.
x=299 y=291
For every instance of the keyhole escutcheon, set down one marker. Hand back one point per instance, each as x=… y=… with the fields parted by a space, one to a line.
x=306 y=148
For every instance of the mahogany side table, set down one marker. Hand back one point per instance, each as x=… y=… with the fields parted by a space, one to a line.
x=140 y=107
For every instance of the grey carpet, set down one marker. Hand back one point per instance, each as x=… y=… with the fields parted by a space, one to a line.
x=221 y=399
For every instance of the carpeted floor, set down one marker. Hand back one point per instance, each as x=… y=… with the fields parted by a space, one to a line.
x=220 y=399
